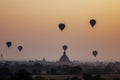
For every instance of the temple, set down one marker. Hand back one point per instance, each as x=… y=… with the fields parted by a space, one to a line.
x=64 y=60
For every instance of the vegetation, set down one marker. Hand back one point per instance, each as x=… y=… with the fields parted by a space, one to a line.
x=37 y=71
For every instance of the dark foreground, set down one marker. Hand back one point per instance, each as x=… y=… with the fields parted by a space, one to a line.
x=82 y=77
x=51 y=71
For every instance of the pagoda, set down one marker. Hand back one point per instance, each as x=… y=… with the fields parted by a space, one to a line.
x=64 y=60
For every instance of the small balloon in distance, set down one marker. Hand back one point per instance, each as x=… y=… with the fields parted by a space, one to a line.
x=65 y=47
x=95 y=53
x=92 y=22
x=20 y=48
x=8 y=44
x=61 y=26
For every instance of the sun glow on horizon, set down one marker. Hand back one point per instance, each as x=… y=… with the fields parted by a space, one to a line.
x=34 y=24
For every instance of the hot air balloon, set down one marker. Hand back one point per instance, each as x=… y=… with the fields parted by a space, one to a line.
x=8 y=44
x=65 y=47
x=92 y=22
x=61 y=26
x=94 y=53
x=20 y=48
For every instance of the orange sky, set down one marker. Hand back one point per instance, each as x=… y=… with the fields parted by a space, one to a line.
x=34 y=24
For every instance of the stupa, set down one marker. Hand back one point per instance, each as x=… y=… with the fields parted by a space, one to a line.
x=44 y=60
x=64 y=60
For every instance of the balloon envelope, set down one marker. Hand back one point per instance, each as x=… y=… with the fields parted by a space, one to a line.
x=65 y=47
x=61 y=26
x=95 y=53
x=92 y=22
x=8 y=44
x=20 y=48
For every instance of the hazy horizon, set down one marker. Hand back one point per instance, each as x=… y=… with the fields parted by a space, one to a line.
x=34 y=25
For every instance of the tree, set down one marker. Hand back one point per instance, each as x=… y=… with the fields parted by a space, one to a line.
x=87 y=76
x=22 y=75
x=39 y=78
x=67 y=78
x=98 y=77
x=75 y=78
x=53 y=71
x=36 y=69
x=5 y=73
x=76 y=70
x=116 y=79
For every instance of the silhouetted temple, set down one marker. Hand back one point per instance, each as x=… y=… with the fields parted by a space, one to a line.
x=64 y=60
x=44 y=60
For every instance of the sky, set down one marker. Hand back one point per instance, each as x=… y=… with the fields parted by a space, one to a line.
x=34 y=25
